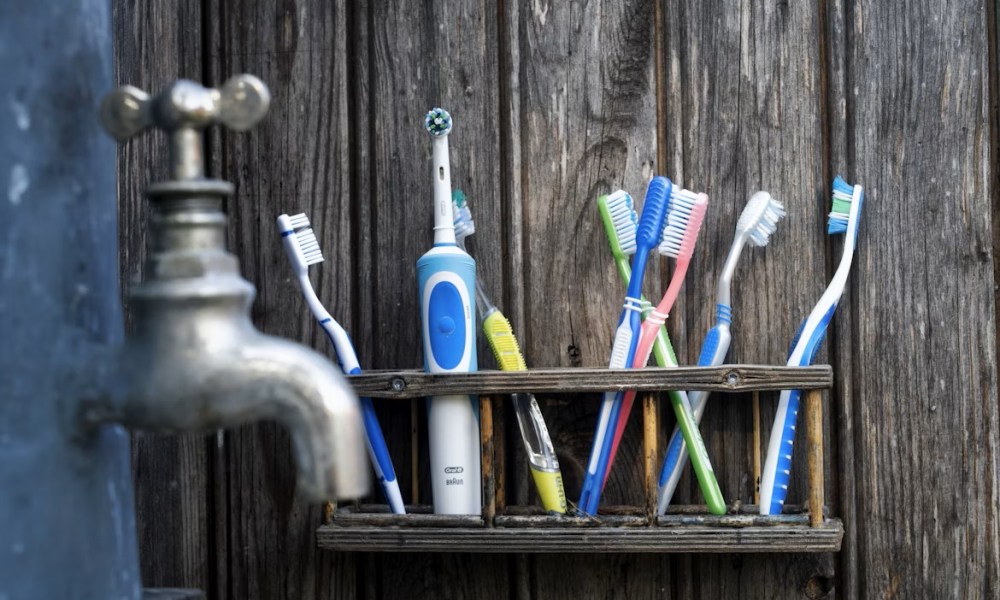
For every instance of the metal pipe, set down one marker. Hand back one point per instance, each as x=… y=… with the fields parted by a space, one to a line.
x=195 y=362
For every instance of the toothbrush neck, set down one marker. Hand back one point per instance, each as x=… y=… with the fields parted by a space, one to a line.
x=444 y=225
x=723 y=293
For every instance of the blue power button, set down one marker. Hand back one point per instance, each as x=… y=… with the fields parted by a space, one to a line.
x=446 y=315
x=446 y=325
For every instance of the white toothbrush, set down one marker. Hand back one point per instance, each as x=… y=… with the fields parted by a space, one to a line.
x=757 y=222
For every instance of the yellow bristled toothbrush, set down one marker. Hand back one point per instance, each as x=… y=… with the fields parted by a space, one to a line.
x=537 y=443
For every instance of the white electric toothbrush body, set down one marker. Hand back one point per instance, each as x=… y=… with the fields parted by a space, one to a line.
x=447 y=279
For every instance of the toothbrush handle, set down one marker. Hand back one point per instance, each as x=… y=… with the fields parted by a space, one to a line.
x=447 y=282
x=379 y=453
x=662 y=350
x=647 y=336
x=378 y=450
x=713 y=352
x=685 y=419
x=776 y=474
x=589 y=492
x=623 y=347
x=534 y=434
x=778 y=465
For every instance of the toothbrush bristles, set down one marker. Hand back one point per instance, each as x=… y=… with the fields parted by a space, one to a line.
x=464 y=225
x=760 y=218
x=843 y=196
x=299 y=221
x=679 y=220
x=438 y=122
x=309 y=246
x=621 y=208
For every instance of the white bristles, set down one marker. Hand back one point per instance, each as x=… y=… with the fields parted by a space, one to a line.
x=760 y=218
x=299 y=221
x=464 y=225
x=309 y=246
x=624 y=219
x=681 y=204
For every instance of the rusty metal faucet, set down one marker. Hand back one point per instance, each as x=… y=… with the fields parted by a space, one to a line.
x=195 y=361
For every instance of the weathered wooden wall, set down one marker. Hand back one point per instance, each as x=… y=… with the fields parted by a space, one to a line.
x=555 y=103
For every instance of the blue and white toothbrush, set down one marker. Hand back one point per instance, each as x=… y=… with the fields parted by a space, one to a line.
x=757 y=222
x=447 y=279
x=303 y=250
x=845 y=216
x=648 y=234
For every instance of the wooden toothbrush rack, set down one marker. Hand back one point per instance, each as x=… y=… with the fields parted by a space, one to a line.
x=527 y=529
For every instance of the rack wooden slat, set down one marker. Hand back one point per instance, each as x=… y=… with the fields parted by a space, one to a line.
x=402 y=385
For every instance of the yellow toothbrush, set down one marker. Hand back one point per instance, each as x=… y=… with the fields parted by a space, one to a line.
x=537 y=443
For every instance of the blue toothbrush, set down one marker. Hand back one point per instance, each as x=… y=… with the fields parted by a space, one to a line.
x=303 y=250
x=845 y=215
x=648 y=234
x=447 y=279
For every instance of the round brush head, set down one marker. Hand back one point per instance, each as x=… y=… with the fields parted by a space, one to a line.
x=760 y=217
x=438 y=122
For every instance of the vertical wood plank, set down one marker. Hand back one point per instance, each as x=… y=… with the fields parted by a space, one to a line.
x=744 y=113
x=755 y=408
x=841 y=406
x=489 y=481
x=585 y=108
x=418 y=56
x=155 y=43
x=296 y=160
x=924 y=372
x=582 y=122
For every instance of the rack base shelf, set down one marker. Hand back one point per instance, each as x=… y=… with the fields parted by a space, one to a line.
x=538 y=534
x=780 y=537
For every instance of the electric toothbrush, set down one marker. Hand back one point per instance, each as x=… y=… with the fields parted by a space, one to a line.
x=447 y=279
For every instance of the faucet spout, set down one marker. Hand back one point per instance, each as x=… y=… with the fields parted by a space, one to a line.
x=186 y=383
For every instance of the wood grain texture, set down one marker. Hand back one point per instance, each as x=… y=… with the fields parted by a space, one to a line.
x=925 y=396
x=296 y=160
x=744 y=113
x=813 y=416
x=171 y=472
x=554 y=103
x=841 y=349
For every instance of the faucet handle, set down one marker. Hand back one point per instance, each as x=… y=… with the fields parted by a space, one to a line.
x=239 y=104
x=182 y=109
